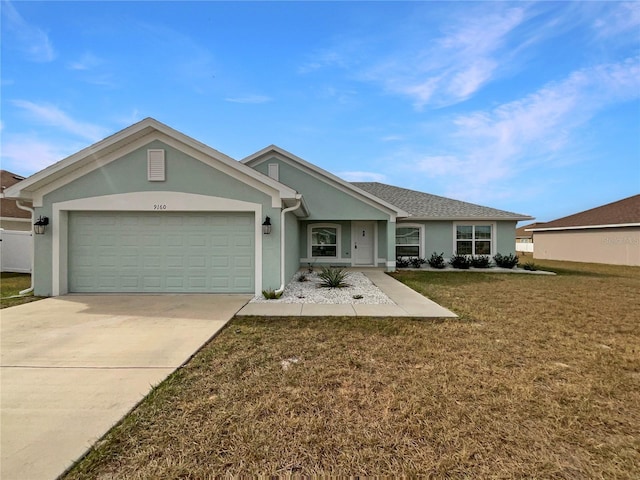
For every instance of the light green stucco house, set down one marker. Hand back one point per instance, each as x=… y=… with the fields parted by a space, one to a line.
x=150 y=209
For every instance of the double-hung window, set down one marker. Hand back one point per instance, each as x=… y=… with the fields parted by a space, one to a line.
x=324 y=241
x=407 y=241
x=473 y=239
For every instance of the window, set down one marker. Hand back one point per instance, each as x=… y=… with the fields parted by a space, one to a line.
x=473 y=239
x=407 y=241
x=324 y=241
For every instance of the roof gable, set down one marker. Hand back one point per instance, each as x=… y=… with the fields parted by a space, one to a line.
x=620 y=213
x=135 y=136
x=322 y=175
x=422 y=205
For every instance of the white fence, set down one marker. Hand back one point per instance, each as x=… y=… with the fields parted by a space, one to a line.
x=524 y=247
x=15 y=251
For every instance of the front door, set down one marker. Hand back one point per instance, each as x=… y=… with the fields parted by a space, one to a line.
x=363 y=243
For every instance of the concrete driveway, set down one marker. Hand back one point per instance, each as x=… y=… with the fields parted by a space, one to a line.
x=72 y=366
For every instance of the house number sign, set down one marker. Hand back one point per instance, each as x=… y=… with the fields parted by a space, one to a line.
x=159 y=206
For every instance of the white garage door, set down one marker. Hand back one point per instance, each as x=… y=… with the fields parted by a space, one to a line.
x=161 y=252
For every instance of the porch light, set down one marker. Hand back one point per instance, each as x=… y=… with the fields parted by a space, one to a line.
x=266 y=226
x=41 y=224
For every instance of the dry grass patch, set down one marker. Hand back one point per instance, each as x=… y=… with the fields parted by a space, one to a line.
x=539 y=379
x=10 y=285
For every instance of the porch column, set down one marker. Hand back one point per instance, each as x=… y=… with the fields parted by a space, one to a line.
x=391 y=245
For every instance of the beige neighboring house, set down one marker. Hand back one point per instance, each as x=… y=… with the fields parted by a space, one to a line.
x=607 y=234
x=11 y=217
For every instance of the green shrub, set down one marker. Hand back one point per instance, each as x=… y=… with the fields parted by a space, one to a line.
x=402 y=262
x=460 y=261
x=333 y=277
x=506 y=261
x=417 y=262
x=437 y=261
x=271 y=294
x=532 y=267
x=481 y=261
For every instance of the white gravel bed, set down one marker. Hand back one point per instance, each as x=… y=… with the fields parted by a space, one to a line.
x=310 y=292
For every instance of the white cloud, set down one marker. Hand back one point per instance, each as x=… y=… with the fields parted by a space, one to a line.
x=26 y=154
x=392 y=138
x=31 y=40
x=453 y=66
x=52 y=116
x=255 y=99
x=486 y=148
x=87 y=61
x=619 y=18
x=362 y=176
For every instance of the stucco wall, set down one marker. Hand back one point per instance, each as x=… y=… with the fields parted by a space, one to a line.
x=615 y=246
x=439 y=236
x=129 y=174
x=324 y=201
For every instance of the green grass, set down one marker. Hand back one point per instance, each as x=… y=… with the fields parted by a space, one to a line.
x=10 y=285
x=539 y=378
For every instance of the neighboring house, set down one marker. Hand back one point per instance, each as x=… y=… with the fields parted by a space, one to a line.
x=150 y=209
x=606 y=234
x=524 y=237
x=11 y=217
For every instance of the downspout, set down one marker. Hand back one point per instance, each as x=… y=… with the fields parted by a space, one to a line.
x=282 y=226
x=33 y=245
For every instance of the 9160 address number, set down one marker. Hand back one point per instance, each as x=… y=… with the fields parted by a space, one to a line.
x=159 y=206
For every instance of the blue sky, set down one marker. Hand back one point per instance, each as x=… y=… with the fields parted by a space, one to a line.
x=527 y=107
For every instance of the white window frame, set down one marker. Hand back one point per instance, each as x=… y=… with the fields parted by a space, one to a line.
x=494 y=233
x=420 y=228
x=338 y=228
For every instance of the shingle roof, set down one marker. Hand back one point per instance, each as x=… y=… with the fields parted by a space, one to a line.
x=8 y=207
x=426 y=206
x=521 y=232
x=622 y=212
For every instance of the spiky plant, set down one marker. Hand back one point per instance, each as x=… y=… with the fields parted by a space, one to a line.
x=333 y=277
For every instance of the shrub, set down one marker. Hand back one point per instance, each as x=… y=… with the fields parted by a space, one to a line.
x=532 y=267
x=333 y=277
x=417 y=262
x=481 y=261
x=302 y=277
x=402 y=262
x=271 y=294
x=506 y=261
x=437 y=261
x=460 y=261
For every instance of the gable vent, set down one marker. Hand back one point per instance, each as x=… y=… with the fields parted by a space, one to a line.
x=155 y=165
x=274 y=171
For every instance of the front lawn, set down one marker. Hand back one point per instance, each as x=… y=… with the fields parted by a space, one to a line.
x=539 y=378
x=10 y=285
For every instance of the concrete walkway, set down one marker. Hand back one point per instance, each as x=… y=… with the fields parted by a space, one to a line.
x=73 y=366
x=407 y=303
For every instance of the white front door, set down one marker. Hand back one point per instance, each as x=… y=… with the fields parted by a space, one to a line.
x=363 y=243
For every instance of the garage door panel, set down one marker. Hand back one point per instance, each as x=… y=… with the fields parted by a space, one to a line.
x=161 y=252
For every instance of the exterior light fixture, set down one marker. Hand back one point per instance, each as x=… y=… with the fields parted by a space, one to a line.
x=41 y=224
x=266 y=226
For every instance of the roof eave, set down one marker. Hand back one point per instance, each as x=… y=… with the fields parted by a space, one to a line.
x=469 y=219
x=583 y=227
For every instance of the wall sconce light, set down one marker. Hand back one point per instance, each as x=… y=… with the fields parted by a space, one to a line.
x=41 y=224
x=266 y=226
